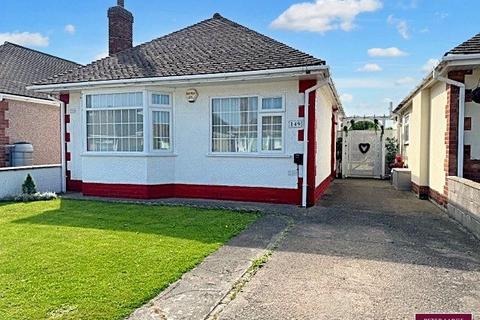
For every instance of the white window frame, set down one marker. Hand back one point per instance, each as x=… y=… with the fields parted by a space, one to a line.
x=270 y=112
x=261 y=110
x=150 y=99
x=406 y=121
x=84 y=120
x=147 y=109
x=155 y=107
x=260 y=133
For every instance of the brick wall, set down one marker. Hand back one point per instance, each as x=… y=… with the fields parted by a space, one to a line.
x=464 y=203
x=120 y=29
x=3 y=133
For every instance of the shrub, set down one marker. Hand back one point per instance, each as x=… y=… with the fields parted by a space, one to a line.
x=28 y=186
x=37 y=196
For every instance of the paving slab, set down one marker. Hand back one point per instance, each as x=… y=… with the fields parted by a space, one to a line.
x=200 y=290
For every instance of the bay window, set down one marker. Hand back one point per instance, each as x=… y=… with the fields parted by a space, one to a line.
x=247 y=124
x=114 y=122
x=161 y=122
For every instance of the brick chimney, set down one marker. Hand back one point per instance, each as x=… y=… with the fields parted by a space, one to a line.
x=120 y=28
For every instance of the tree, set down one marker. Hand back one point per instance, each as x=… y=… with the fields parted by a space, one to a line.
x=28 y=186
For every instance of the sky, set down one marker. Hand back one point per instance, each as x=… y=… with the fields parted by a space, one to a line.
x=378 y=50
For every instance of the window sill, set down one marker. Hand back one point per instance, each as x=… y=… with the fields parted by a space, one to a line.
x=251 y=155
x=128 y=155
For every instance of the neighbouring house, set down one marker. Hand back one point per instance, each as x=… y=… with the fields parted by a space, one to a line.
x=439 y=123
x=214 y=110
x=27 y=116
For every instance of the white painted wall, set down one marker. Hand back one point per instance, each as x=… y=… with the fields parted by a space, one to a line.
x=324 y=135
x=47 y=178
x=191 y=161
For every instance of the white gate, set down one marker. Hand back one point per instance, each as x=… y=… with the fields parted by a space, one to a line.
x=363 y=154
x=364 y=150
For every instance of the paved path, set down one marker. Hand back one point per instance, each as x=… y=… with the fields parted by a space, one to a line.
x=200 y=290
x=367 y=252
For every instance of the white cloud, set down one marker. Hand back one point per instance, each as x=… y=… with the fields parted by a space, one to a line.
x=430 y=65
x=324 y=15
x=70 y=28
x=100 y=56
x=346 y=97
x=386 y=52
x=401 y=25
x=33 y=39
x=404 y=81
x=370 y=67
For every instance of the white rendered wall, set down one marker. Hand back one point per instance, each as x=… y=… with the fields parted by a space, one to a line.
x=47 y=178
x=191 y=161
x=323 y=119
x=438 y=127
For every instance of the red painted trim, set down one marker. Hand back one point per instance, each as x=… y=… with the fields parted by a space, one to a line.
x=68 y=156
x=301 y=111
x=312 y=143
x=333 y=147
x=74 y=185
x=65 y=98
x=133 y=191
x=320 y=189
x=67 y=136
x=67 y=118
x=300 y=135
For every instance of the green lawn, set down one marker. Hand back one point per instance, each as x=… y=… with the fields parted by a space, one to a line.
x=67 y=259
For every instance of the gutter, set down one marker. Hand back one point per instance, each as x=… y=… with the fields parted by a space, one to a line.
x=461 y=115
x=189 y=79
x=5 y=96
x=324 y=82
x=62 y=143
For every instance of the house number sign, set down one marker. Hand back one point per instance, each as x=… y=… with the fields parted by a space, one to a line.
x=296 y=124
x=192 y=95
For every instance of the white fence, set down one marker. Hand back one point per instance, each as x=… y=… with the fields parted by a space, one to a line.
x=46 y=177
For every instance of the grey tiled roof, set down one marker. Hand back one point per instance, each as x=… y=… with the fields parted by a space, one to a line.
x=20 y=66
x=471 y=46
x=216 y=45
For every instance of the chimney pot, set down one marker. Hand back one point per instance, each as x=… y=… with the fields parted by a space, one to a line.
x=121 y=3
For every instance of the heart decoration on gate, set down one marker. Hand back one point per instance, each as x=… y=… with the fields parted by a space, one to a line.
x=364 y=147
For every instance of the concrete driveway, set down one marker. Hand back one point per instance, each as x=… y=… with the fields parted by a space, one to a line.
x=366 y=252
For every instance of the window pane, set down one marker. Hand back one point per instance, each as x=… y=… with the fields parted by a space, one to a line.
x=115 y=130
x=114 y=100
x=272 y=103
x=161 y=130
x=234 y=124
x=160 y=99
x=272 y=133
